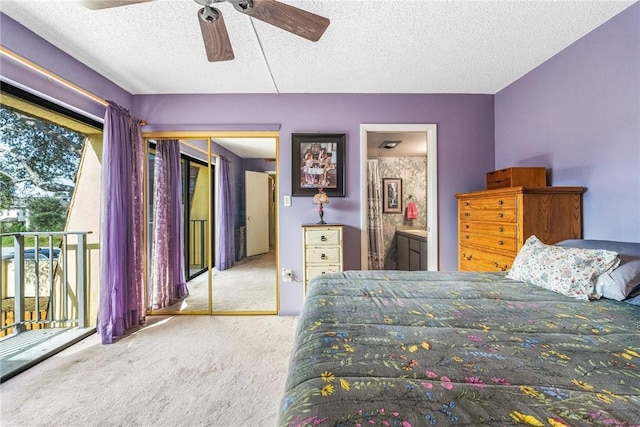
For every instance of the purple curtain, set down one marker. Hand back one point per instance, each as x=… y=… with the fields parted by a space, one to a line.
x=167 y=270
x=122 y=251
x=224 y=217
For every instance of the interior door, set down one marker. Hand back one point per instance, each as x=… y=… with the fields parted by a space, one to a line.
x=257 y=212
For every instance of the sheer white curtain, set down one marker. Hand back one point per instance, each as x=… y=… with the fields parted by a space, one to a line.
x=374 y=210
x=167 y=270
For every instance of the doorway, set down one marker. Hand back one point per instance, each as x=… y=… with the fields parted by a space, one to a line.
x=431 y=225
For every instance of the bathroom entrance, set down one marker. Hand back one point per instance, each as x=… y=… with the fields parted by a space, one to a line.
x=399 y=218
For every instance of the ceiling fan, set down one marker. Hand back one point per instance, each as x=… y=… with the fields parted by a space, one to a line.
x=214 y=32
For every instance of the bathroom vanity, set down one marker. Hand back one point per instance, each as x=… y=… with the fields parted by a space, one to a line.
x=411 y=246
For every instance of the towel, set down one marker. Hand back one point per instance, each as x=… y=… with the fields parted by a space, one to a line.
x=412 y=210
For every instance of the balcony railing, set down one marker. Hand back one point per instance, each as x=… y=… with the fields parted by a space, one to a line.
x=43 y=281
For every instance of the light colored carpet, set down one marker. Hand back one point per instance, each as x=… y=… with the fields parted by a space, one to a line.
x=250 y=285
x=175 y=371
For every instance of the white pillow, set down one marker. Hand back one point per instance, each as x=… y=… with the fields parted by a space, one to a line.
x=569 y=271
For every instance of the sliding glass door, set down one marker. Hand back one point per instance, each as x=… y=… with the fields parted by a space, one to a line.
x=196 y=181
x=195 y=186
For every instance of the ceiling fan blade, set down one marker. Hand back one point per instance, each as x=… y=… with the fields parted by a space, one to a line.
x=105 y=4
x=214 y=34
x=297 y=21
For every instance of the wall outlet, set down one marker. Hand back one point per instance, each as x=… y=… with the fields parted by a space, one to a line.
x=287 y=275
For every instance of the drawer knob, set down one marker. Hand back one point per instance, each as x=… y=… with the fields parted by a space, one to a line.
x=500 y=202
x=466 y=226
x=501 y=229
x=323 y=238
x=466 y=236
x=323 y=256
x=466 y=203
x=500 y=242
x=467 y=257
x=500 y=215
x=466 y=214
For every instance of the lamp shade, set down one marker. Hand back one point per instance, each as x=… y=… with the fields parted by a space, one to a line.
x=321 y=198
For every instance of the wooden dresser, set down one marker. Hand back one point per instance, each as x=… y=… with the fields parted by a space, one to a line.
x=494 y=224
x=322 y=250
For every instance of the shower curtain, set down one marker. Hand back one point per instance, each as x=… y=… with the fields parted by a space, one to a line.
x=374 y=210
x=167 y=273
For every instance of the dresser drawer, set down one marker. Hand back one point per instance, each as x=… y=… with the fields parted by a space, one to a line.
x=506 y=230
x=488 y=240
x=317 y=270
x=491 y=203
x=503 y=210
x=489 y=215
x=475 y=259
x=321 y=237
x=518 y=176
x=328 y=255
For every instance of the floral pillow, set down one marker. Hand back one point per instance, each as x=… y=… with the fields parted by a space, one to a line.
x=619 y=283
x=569 y=271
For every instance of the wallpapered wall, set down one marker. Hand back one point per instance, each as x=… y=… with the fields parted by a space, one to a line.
x=413 y=172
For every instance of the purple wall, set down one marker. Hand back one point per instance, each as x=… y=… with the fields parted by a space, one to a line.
x=27 y=44
x=258 y=165
x=579 y=115
x=465 y=153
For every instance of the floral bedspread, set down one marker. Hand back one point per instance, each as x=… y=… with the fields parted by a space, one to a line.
x=392 y=348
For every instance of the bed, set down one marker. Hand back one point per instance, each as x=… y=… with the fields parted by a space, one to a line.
x=393 y=348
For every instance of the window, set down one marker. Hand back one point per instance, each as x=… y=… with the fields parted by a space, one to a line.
x=41 y=146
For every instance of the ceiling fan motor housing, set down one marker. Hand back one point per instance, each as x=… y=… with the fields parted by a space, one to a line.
x=209 y=14
x=242 y=5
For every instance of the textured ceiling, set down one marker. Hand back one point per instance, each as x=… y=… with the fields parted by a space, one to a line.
x=372 y=46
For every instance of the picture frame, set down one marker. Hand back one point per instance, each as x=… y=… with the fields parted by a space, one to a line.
x=391 y=195
x=317 y=161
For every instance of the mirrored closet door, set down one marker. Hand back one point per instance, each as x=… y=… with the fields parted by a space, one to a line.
x=225 y=202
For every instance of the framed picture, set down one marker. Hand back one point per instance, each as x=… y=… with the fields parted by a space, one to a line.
x=392 y=195
x=318 y=162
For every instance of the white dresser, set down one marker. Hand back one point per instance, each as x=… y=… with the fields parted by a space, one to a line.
x=322 y=250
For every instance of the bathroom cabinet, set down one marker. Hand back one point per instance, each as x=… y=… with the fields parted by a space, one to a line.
x=411 y=247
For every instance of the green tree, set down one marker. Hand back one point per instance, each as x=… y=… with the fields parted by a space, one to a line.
x=6 y=192
x=46 y=214
x=12 y=227
x=36 y=156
